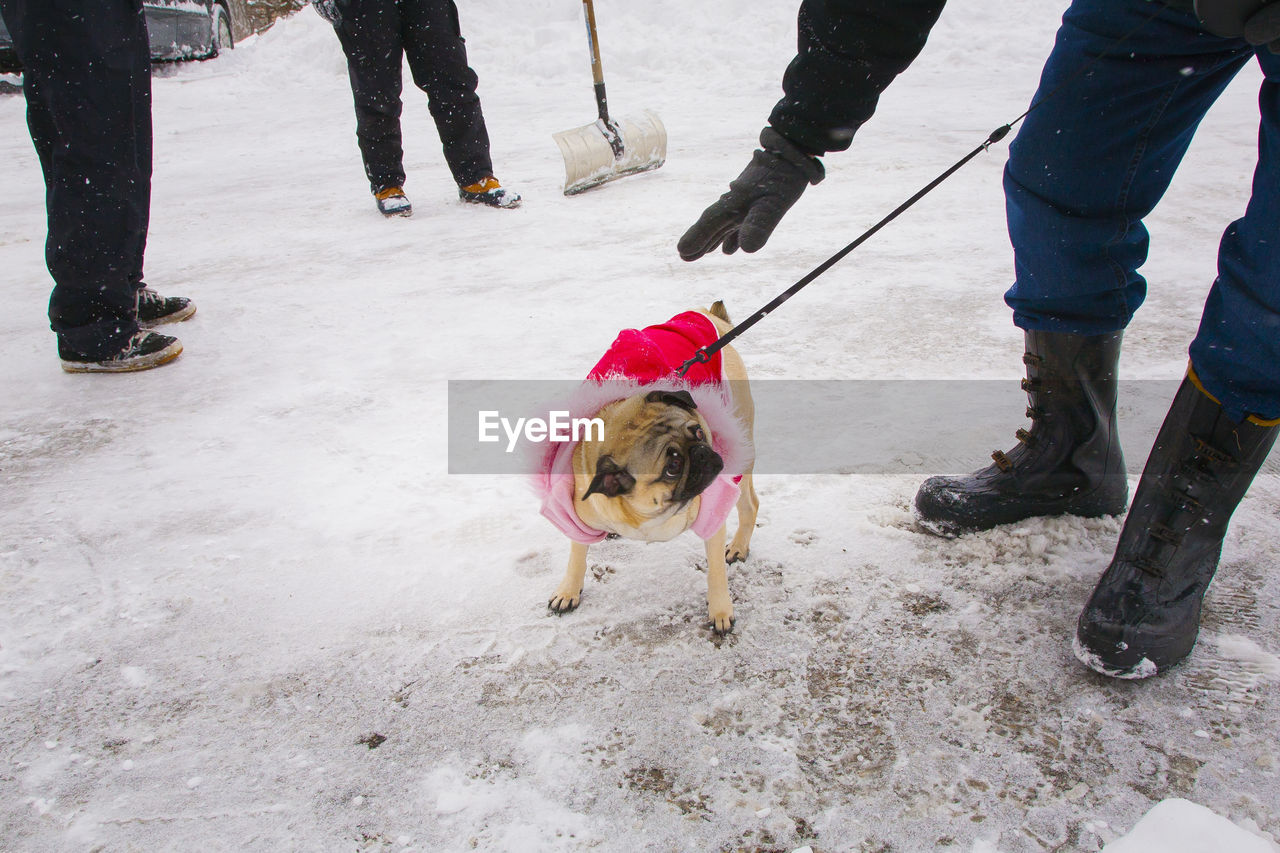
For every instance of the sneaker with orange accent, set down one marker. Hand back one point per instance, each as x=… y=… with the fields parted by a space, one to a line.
x=393 y=202
x=489 y=192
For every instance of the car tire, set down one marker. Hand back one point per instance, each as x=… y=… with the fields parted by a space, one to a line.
x=221 y=38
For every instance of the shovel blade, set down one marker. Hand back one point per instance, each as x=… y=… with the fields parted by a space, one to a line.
x=589 y=160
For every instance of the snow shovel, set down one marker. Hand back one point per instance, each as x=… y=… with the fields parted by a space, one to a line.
x=608 y=148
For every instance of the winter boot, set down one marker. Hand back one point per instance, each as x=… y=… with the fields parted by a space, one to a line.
x=1144 y=614
x=156 y=310
x=1068 y=463
x=143 y=351
x=489 y=192
x=392 y=201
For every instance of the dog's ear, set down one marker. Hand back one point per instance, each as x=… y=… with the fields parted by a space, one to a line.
x=611 y=479
x=683 y=399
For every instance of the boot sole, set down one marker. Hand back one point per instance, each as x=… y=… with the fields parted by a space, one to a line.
x=953 y=530
x=1092 y=506
x=133 y=365
x=486 y=203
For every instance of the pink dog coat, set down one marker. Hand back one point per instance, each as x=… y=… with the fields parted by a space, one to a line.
x=648 y=358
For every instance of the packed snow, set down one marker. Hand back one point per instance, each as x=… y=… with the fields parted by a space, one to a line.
x=247 y=607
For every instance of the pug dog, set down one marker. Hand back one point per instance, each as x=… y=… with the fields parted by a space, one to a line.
x=675 y=454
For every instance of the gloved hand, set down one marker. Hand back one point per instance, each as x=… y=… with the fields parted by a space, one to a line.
x=1256 y=21
x=746 y=215
x=328 y=10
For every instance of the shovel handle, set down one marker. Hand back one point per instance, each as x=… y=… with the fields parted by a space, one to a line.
x=597 y=69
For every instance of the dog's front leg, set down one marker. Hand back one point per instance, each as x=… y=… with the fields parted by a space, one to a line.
x=719 y=604
x=748 y=507
x=569 y=594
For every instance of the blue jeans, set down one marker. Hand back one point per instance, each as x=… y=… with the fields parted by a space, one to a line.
x=1090 y=163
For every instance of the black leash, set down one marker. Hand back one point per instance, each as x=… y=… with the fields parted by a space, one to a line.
x=703 y=355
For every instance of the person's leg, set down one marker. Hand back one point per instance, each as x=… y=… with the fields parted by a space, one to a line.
x=1144 y=613
x=370 y=36
x=1098 y=153
x=1095 y=154
x=438 y=60
x=142 y=208
x=87 y=83
x=1236 y=353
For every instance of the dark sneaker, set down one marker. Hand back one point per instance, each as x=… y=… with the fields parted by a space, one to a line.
x=393 y=202
x=489 y=192
x=156 y=310
x=144 y=351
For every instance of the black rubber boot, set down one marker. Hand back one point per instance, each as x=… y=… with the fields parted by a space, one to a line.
x=1068 y=463
x=1144 y=614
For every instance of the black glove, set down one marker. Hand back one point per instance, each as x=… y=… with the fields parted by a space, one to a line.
x=746 y=215
x=1256 y=21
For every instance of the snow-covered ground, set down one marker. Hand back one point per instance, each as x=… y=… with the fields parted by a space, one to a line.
x=246 y=607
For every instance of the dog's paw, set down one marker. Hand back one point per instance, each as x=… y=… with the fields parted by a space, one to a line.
x=736 y=553
x=563 y=602
x=722 y=621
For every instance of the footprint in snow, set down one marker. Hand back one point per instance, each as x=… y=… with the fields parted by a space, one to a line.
x=803 y=537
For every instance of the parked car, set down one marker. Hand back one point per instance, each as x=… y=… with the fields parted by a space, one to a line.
x=178 y=29
x=182 y=29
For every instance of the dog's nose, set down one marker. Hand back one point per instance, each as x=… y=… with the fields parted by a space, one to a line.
x=702 y=457
x=704 y=465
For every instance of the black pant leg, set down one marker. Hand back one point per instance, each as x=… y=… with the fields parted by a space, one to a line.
x=438 y=60
x=87 y=81
x=370 y=37
x=144 y=135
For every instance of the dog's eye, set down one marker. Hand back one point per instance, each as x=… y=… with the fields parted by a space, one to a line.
x=675 y=464
x=697 y=433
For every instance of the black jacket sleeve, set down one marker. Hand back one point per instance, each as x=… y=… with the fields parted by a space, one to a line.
x=849 y=52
